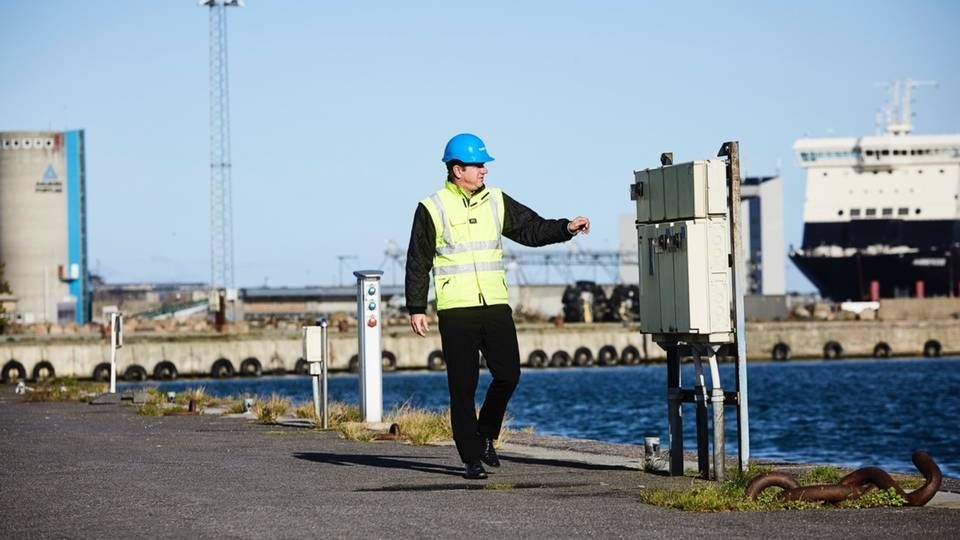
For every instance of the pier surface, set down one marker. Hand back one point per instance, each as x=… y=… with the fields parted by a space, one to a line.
x=80 y=471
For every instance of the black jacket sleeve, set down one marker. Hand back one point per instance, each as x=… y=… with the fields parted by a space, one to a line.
x=524 y=226
x=423 y=242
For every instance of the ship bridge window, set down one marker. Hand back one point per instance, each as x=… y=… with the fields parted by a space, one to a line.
x=903 y=211
x=871 y=212
x=888 y=211
x=854 y=212
x=885 y=152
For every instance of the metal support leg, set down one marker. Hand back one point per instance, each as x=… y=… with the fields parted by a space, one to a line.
x=703 y=442
x=719 y=439
x=674 y=403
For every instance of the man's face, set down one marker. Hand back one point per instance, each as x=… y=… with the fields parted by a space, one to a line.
x=469 y=176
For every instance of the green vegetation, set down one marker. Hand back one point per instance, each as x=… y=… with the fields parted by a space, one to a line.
x=65 y=389
x=728 y=495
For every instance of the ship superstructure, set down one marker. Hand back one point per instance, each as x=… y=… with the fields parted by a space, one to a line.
x=882 y=213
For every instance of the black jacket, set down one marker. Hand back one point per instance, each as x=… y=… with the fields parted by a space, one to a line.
x=520 y=224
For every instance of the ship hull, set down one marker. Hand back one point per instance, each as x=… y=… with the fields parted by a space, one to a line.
x=898 y=275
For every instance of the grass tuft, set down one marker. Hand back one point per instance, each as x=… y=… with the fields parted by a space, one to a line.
x=420 y=426
x=267 y=411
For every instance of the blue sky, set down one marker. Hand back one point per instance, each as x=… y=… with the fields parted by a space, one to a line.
x=340 y=110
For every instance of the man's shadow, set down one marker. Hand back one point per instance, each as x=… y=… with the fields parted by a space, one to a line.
x=383 y=462
x=402 y=462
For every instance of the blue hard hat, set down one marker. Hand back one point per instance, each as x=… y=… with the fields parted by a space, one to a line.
x=466 y=148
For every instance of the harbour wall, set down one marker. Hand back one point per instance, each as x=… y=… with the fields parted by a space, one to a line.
x=226 y=355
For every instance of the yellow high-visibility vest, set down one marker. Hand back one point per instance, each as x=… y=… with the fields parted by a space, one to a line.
x=468 y=263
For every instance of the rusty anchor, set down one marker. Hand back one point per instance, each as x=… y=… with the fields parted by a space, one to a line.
x=853 y=485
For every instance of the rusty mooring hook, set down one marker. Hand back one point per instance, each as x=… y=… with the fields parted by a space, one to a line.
x=853 y=485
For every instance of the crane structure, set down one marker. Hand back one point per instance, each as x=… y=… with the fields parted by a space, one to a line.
x=559 y=261
x=221 y=188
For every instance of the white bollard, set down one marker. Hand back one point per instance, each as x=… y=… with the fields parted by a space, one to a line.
x=116 y=341
x=369 y=348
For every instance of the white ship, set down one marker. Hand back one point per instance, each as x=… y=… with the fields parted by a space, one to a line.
x=882 y=213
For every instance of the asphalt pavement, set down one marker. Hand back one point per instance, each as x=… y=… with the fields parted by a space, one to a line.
x=82 y=471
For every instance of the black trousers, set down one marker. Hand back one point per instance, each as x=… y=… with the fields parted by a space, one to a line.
x=464 y=333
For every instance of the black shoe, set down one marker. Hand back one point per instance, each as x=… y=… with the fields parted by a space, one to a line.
x=488 y=454
x=475 y=471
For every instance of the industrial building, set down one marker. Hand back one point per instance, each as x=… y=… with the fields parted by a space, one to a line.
x=43 y=240
x=761 y=199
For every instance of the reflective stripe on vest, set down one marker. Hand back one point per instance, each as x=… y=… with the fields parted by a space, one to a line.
x=468 y=265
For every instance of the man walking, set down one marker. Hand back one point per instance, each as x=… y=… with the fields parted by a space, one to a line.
x=457 y=235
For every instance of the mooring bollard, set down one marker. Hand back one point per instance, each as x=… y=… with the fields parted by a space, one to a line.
x=369 y=323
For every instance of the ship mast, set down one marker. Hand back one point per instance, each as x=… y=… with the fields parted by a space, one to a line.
x=901 y=101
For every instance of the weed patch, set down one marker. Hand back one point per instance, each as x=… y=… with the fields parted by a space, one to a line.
x=267 y=411
x=729 y=494
x=65 y=389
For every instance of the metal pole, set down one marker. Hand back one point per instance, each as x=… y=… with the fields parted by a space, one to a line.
x=113 y=369
x=674 y=412
x=719 y=437
x=116 y=341
x=323 y=372
x=700 y=394
x=731 y=150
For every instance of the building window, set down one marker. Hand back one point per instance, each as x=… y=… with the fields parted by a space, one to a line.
x=854 y=212
x=871 y=212
x=888 y=211
x=903 y=211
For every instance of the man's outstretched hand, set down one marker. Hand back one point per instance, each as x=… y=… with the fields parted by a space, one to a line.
x=419 y=324
x=579 y=225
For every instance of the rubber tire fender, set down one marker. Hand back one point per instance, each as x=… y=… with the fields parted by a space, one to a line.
x=222 y=369
x=630 y=355
x=101 y=373
x=165 y=370
x=881 y=350
x=537 y=358
x=608 y=356
x=43 y=365
x=134 y=373
x=388 y=361
x=13 y=365
x=583 y=356
x=780 y=352
x=832 y=350
x=435 y=361
x=932 y=348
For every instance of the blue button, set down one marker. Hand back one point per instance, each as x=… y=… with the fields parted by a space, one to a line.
x=372 y=306
x=372 y=290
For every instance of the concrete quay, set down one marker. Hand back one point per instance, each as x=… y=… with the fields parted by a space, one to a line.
x=227 y=355
x=81 y=471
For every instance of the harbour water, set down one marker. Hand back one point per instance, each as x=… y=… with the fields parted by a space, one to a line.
x=851 y=412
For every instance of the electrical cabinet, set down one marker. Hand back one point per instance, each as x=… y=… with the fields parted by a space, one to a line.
x=684 y=250
x=692 y=190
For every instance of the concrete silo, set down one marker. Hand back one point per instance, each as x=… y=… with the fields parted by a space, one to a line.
x=43 y=240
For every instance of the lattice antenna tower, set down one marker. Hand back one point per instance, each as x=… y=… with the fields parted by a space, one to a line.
x=221 y=189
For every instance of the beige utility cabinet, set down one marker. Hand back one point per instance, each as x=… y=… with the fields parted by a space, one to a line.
x=697 y=189
x=684 y=247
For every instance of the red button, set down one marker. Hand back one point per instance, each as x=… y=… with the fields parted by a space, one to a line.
x=372 y=321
